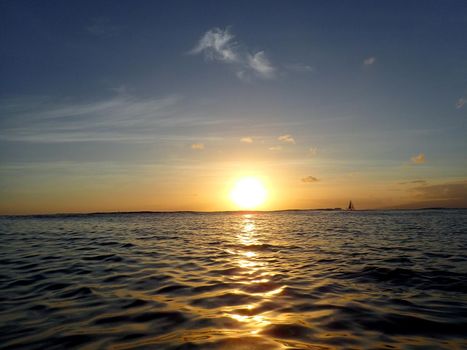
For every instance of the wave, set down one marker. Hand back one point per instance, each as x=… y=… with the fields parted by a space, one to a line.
x=297 y=280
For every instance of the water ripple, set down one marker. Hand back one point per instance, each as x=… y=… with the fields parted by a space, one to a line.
x=286 y=280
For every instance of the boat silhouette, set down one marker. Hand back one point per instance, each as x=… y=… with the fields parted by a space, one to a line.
x=351 y=206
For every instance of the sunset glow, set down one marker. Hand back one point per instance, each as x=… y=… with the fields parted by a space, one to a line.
x=191 y=107
x=261 y=175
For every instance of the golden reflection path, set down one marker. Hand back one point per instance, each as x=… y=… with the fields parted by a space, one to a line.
x=256 y=274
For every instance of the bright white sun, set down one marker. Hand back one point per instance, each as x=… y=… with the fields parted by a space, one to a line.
x=248 y=193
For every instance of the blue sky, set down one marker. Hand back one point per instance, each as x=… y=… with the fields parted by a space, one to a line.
x=163 y=98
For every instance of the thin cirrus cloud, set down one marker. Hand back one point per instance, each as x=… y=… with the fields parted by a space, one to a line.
x=449 y=194
x=275 y=148
x=461 y=102
x=418 y=159
x=118 y=118
x=220 y=45
x=310 y=179
x=313 y=151
x=286 y=139
x=445 y=191
x=197 y=146
x=299 y=67
x=246 y=139
x=413 y=182
x=369 y=61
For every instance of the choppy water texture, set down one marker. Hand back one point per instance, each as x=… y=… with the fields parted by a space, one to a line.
x=283 y=280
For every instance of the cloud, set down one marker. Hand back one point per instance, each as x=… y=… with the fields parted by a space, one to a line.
x=244 y=76
x=246 y=139
x=275 y=148
x=260 y=64
x=197 y=146
x=313 y=151
x=455 y=190
x=120 y=89
x=219 y=45
x=413 y=182
x=418 y=159
x=299 y=67
x=286 y=139
x=310 y=179
x=118 y=118
x=449 y=195
x=369 y=61
x=461 y=102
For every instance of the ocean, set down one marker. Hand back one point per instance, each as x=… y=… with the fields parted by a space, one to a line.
x=265 y=280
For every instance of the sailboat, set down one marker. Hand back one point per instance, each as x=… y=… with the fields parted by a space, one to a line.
x=351 y=206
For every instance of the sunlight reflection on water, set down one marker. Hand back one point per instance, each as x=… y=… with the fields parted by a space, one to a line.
x=305 y=280
x=251 y=262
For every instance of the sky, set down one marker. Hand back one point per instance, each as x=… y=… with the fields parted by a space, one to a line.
x=164 y=105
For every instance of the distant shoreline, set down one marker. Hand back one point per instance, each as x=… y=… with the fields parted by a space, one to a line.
x=70 y=214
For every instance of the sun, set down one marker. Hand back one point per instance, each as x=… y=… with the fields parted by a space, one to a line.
x=248 y=193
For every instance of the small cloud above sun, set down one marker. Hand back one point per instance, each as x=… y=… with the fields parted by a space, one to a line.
x=313 y=151
x=286 y=139
x=369 y=61
x=310 y=179
x=246 y=139
x=197 y=146
x=418 y=159
x=461 y=102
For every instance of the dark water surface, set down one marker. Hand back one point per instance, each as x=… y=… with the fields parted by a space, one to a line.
x=284 y=280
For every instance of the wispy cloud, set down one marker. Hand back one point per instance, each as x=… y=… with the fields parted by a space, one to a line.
x=197 y=146
x=120 y=89
x=313 y=151
x=454 y=190
x=418 y=159
x=261 y=65
x=310 y=179
x=413 y=182
x=220 y=45
x=369 y=61
x=217 y=44
x=299 y=67
x=286 y=139
x=275 y=148
x=449 y=194
x=452 y=194
x=246 y=139
x=461 y=102
x=118 y=118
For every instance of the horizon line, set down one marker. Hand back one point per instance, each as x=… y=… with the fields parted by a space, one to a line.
x=222 y=211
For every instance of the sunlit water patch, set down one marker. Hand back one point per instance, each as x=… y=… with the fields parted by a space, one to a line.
x=288 y=280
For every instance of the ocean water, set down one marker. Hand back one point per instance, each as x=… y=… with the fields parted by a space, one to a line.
x=279 y=280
